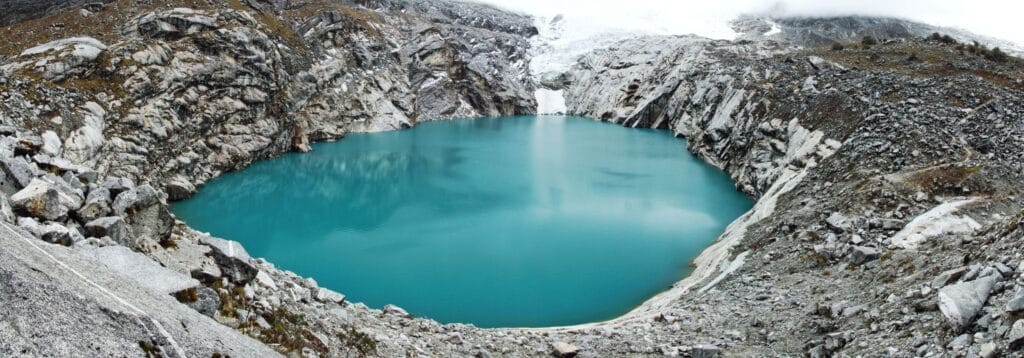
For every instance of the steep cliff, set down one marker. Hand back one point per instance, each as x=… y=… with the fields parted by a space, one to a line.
x=178 y=96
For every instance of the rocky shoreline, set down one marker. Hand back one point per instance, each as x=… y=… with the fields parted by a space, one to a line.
x=886 y=175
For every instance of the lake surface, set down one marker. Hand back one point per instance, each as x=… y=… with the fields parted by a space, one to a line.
x=498 y=222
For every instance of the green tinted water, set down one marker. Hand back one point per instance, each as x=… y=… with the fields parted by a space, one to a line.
x=500 y=222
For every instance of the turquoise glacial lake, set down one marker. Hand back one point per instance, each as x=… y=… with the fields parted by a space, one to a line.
x=498 y=222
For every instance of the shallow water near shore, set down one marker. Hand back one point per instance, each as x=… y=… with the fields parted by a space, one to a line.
x=496 y=222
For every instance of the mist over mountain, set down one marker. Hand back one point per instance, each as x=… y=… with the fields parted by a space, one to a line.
x=991 y=18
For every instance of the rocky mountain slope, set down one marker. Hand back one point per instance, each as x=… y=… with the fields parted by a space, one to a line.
x=887 y=176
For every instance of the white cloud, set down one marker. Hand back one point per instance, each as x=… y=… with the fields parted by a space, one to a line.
x=996 y=18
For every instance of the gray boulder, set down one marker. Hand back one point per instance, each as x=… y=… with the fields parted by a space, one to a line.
x=565 y=350
x=50 y=232
x=202 y=299
x=234 y=262
x=961 y=302
x=396 y=311
x=44 y=200
x=142 y=269
x=948 y=277
x=117 y=185
x=6 y=212
x=97 y=205
x=58 y=165
x=51 y=143
x=135 y=199
x=704 y=351
x=329 y=296
x=149 y=221
x=1016 y=304
x=110 y=226
x=61 y=235
x=837 y=221
x=861 y=255
x=17 y=174
x=1016 y=336
x=179 y=188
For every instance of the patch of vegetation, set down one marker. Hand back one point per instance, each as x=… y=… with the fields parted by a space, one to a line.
x=819 y=260
x=150 y=349
x=288 y=332
x=169 y=243
x=838 y=47
x=362 y=342
x=948 y=179
x=868 y=41
x=974 y=48
x=187 y=295
x=231 y=300
x=997 y=55
x=946 y=39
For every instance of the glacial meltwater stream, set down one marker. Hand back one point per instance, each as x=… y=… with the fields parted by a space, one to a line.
x=499 y=222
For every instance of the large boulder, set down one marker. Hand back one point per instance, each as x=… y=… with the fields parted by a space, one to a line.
x=704 y=351
x=329 y=296
x=51 y=143
x=860 y=255
x=136 y=199
x=234 y=262
x=1016 y=335
x=117 y=185
x=17 y=174
x=113 y=227
x=97 y=205
x=179 y=188
x=6 y=212
x=962 y=302
x=565 y=350
x=142 y=269
x=46 y=200
x=150 y=221
x=1016 y=304
x=50 y=232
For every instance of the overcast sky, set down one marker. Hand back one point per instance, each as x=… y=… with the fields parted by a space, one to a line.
x=998 y=18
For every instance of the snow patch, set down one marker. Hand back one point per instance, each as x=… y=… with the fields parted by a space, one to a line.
x=732 y=267
x=940 y=220
x=550 y=102
x=85 y=47
x=775 y=29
